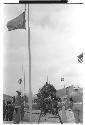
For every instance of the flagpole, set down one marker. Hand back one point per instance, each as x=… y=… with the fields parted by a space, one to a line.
x=23 y=72
x=24 y=82
x=24 y=87
x=29 y=52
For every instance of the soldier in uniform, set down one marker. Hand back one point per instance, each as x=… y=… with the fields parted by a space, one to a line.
x=7 y=117
x=22 y=109
x=9 y=111
x=17 y=113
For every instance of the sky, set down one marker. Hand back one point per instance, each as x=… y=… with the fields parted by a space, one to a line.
x=56 y=37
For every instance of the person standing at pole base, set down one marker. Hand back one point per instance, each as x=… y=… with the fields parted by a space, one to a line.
x=17 y=112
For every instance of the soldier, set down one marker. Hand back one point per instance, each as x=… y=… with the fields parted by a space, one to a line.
x=17 y=113
x=22 y=109
x=9 y=111
x=7 y=117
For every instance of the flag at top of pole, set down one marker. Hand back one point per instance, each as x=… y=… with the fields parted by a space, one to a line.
x=17 y=23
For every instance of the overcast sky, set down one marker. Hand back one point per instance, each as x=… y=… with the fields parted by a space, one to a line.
x=56 y=41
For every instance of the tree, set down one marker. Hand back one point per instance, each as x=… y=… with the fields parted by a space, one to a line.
x=47 y=101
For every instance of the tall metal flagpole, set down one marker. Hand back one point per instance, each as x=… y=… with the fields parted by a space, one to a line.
x=24 y=86
x=29 y=52
x=24 y=81
x=23 y=72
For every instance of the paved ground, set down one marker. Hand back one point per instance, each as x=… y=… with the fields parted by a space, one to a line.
x=46 y=119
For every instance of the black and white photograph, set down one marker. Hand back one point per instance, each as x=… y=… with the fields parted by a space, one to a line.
x=43 y=74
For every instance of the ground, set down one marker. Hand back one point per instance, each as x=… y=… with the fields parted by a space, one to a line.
x=46 y=119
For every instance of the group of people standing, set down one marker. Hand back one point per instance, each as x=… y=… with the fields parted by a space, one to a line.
x=14 y=110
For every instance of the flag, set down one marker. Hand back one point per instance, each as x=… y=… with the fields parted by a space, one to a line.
x=20 y=81
x=80 y=58
x=62 y=79
x=17 y=23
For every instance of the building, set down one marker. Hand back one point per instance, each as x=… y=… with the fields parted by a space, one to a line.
x=62 y=93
